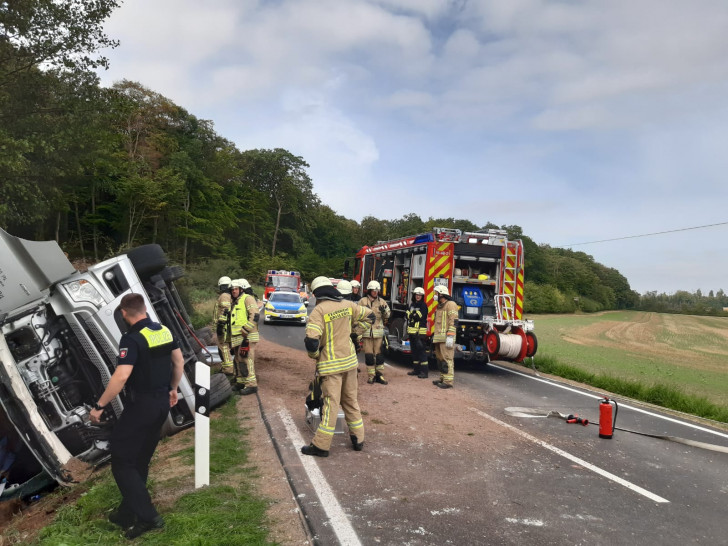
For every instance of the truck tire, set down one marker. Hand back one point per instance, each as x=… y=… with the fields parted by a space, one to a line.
x=220 y=390
x=204 y=335
x=147 y=260
x=172 y=273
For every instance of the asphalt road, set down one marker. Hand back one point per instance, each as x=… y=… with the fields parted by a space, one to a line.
x=540 y=480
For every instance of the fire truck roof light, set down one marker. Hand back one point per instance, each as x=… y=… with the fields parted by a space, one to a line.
x=424 y=238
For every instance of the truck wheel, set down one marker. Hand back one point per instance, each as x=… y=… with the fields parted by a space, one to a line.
x=532 y=344
x=147 y=260
x=172 y=273
x=220 y=390
x=204 y=335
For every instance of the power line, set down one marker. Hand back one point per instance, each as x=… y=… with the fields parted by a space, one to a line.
x=644 y=235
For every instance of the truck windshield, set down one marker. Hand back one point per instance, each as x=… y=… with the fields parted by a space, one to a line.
x=285 y=282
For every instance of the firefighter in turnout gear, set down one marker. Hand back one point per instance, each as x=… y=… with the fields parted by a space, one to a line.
x=328 y=341
x=416 y=332
x=244 y=336
x=355 y=291
x=220 y=316
x=443 y=338
x=372 y=337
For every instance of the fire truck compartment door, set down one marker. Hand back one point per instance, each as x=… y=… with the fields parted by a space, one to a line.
x=418 y=266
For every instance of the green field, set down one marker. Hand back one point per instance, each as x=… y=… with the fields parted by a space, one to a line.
x=687 y=353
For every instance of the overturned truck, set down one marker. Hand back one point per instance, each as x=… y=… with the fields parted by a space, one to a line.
x=59 y=334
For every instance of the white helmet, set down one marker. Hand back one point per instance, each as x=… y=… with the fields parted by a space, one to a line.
x=344 y=287
x=318 y=282
x=440 y=289
x=373 y=285
x=355 y=284
x=224 y=281
x=237 y=283
x=244 y=284
x=419 y=290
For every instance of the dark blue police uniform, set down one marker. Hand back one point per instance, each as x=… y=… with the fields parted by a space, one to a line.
x=147 y=346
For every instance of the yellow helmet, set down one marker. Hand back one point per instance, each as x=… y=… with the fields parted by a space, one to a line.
x=482 y=277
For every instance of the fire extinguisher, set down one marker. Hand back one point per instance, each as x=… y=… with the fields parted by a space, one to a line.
x=607 y=424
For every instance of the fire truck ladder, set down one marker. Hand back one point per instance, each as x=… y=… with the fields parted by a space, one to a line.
x=505 y=304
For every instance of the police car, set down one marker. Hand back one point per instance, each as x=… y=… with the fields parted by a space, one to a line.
x=285 y=306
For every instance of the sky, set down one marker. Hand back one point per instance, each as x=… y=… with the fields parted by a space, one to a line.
x=579 y=121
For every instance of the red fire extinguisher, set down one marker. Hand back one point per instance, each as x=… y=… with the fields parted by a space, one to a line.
x=607 y=424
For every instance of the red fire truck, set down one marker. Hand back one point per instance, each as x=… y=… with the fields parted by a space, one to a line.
x=277 y=279
x=483 y=272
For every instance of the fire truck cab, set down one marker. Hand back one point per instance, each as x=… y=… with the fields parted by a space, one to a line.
x=483 y=272
x=278 y=279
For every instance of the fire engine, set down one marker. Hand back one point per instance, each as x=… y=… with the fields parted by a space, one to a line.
x=277 y=279
x=483 y=272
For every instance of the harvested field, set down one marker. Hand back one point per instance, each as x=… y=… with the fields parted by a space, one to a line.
x=682 y=351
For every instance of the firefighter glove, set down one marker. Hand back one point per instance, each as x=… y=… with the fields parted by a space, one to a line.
x=383 y=308
x=450 y=342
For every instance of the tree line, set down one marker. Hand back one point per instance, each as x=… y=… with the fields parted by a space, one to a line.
x=101 y=170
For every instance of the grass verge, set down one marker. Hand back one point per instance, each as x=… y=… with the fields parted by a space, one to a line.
x=224 y=513
x=659 y=394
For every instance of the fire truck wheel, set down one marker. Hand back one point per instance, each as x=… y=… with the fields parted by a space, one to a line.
x=532 y=344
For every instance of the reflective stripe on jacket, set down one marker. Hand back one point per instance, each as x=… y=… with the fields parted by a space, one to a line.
x=332 y=323
x=445 y=316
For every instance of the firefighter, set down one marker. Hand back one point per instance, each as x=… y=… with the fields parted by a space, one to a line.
x=345 y=288
x=220 y=316
x=244 y=336
x=416 y=332
x=443 y=339
x=355 y=290
x=328 y=341
x=372 y=337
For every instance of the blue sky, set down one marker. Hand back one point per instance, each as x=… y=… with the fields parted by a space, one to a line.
x=578 y=121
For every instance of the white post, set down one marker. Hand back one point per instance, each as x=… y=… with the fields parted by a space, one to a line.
x=202 y=425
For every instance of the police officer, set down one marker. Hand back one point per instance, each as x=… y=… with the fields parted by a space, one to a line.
x=220 y=316
x=416 y=332
x=244 y=336
x=150 y=364
x=443 y=338
x=328 y=341
x=372 y=337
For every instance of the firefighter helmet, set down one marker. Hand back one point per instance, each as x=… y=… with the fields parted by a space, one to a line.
x=344 y=287
x=237 y=283
x=355 y=284
x=318 y=282
x=224 y=281
x=442 y=290
x=373 y=285
x=244 y=284
x=419 y=290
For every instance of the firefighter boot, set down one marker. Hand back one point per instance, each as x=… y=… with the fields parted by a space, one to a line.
x=247 y=390
x=415 y=369
x=379 y=378
x=315 y=451
x=423 y=371
x=356 y=444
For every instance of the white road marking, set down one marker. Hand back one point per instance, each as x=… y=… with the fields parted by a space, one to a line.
x=621 y=405
x=577 y=460
x=337 y=517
